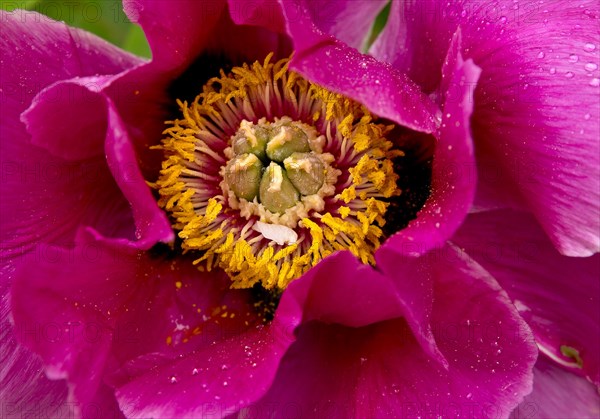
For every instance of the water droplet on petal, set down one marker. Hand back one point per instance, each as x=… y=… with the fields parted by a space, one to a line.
x=595 y=82
x=541 y=54
x=173 y=380
x=573 y=58
x=503 y=19
x=569 y=75
x=587 y=116
x=589 y=47
x=552 y=70
x=591 y=66
x=195 y=371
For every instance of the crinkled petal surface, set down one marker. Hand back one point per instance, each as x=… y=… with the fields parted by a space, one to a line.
x=537 y=114
x=557 y=295
x=453 y=178
x=558 y=394
x=332 y=368
x=35 y=167
x=140 y=323
x=329 y=62
x=152 y=224
x=37 y=53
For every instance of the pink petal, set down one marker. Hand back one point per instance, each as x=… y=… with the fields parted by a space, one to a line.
x=25 y=391
x=214 y=382
x=80 y=138
x=453 y=175
x=350 y=21
x=151 y=222
x=380 y=370
x=557 y=295
x=41 y=52
x=324 y=60
x=176 y=32
x=537 y=114
x=558 y=394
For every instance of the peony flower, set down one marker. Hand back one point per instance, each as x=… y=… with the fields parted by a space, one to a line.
x=152 y=274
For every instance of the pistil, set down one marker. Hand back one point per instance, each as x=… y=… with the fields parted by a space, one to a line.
x=265 y=174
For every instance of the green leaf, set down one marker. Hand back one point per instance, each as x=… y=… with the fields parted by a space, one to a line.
x=378 y=25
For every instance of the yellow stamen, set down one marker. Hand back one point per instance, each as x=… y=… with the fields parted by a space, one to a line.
x=348 y=217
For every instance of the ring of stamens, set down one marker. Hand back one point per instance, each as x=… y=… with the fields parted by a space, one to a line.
x=224 y=220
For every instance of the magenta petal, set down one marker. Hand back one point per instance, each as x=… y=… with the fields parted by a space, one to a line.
x=384 y=297
x=453 y=178
x=263 y=13
x=327 y=301
x=82 y=136
x=25 y=391
x=70 y=304
x=558 y=394
x=41 y=52
x=324 y=60
x=217 y=381
x=151 y=222
x=537 y=114
x=380 y=370
x=557 y=295
x=176 y=32
x=350 y=21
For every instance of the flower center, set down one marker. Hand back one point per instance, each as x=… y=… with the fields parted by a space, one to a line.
x=278 y=171
x=266 y=174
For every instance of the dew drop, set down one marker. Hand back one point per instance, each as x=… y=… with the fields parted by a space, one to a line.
x=469 y=396
x=587 y=116
x=173 y=379
x=591 y=66
x=552 y=70
x=589 y=47
x=195 y=371
x=569 y=75
x=225 y=383
x=503 y=19
x=573 y=58
x=541 y=54
x=595 y=82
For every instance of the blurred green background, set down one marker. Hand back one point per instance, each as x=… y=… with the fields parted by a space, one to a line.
x=105 y=18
